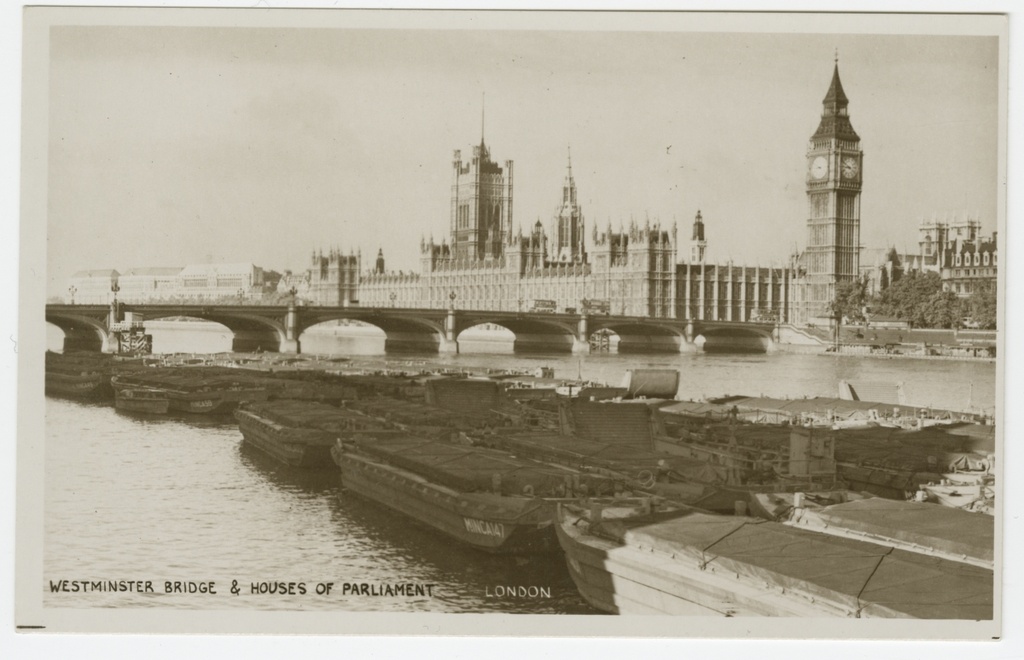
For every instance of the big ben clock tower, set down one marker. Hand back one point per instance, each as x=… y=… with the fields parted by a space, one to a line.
x=835 y=165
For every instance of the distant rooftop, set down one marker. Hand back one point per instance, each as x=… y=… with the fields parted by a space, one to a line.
x=154 y=270
x=206 y=269
x=102 y=272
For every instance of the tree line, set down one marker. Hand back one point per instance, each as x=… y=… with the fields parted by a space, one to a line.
x=918 y=299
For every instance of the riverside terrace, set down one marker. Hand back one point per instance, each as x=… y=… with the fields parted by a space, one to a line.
x=279 y=328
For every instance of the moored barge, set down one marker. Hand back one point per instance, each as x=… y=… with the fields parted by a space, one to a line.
x=487 y=499
x=298 y=433
x=78 y=375
x=687 y=562
x=191 y=390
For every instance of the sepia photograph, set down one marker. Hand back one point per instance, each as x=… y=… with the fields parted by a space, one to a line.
x=569 y=323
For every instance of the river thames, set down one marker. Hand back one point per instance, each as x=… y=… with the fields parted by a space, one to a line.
x=179 y=499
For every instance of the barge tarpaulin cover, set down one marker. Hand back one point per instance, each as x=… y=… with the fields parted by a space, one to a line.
x=470 y=469
x=945 y=529
x=855 y=576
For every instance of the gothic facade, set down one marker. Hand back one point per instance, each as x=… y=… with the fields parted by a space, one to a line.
x=484 y=265
x=637 y=271
x=334 y=278
x=953 y=247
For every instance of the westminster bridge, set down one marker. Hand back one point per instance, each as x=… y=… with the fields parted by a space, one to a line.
x=280 y=327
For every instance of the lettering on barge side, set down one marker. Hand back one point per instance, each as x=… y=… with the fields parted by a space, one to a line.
x=485 y=527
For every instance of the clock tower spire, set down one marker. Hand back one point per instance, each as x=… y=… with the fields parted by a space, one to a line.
x=834 y=170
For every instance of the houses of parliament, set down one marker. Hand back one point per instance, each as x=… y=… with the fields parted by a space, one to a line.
x=639 y=270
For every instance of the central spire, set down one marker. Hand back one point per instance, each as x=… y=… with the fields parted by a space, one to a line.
x=569 y=187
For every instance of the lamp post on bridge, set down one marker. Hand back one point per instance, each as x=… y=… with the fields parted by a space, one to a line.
x=835 y=311
x=72 y=290
x=114 y=288
x=241 y=295
x=451 y=297
x=392 y=296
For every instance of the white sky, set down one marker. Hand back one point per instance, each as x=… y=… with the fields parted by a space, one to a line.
x=181 y=145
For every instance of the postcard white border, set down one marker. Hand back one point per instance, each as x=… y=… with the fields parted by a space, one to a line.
x=30 y=343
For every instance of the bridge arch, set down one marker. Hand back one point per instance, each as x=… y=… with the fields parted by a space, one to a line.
x=250 y=331
x=641 y=336
x=531 y=334
x=417 y=333
x=747 y=338
x=82 y=331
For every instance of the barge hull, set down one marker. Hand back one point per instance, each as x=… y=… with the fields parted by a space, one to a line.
x=459 y=516
x=732 y=566
x=627 y=580
x=97 y=387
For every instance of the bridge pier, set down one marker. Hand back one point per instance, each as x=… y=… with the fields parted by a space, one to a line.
x=581 y=342
x=290 y=341
x=449 y=342
x=688 y=347
x=290 y=346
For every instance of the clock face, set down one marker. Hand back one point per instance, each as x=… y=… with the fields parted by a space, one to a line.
x=819 y=167
x=850 y=167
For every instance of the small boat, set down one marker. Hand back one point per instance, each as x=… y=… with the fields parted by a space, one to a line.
x=629 y=557
x=487 y=499
x=141 y=400
x=976 y=497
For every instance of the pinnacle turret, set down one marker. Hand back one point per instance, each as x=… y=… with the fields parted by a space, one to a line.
x=835 y=120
